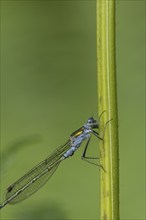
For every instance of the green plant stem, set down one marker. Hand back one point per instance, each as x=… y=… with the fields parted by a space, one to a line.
x=107 y=100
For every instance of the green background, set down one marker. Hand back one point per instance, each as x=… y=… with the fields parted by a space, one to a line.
x=48 y=90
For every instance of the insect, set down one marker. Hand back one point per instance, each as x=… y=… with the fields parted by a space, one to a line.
x=34 y=179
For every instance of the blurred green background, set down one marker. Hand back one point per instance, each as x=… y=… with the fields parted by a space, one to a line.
x=48 y=90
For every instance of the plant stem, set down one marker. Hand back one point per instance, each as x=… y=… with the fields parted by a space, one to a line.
x=107 y=100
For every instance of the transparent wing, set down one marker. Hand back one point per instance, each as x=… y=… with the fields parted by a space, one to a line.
x=36 y=177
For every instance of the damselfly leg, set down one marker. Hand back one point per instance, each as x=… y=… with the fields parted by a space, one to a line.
x=87 y=158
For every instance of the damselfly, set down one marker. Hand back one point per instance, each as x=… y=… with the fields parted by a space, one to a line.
x=40 y=174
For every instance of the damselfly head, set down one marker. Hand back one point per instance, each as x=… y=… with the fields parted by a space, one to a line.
x=92 y=123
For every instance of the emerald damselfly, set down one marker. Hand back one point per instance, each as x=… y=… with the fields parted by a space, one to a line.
x=34 y=179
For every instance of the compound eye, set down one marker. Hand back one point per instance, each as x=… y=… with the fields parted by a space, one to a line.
x=90 y=120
